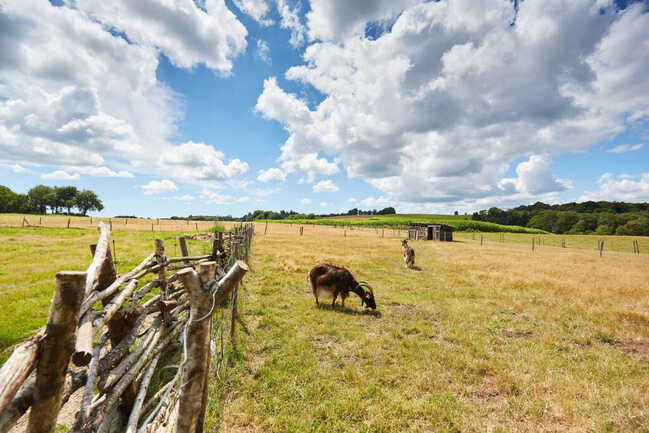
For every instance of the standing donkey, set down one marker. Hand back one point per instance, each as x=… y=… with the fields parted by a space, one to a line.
x=408 y=254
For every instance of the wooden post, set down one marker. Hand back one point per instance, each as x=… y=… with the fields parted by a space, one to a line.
x=110 y=224
x=196 y=224
x=68 y=222
x=151 y=226
x=480 y=240
x=90 y=220
x=183 y=247
x=563 y=243
x=125 y=221
x=17 y=368
x=40 y=221
x=601 y=248
x=56 y=348
x=162 y=275
x=301 y=230
x=158 y=221
x=266 y=227
x=196 y=368
x=532 y=244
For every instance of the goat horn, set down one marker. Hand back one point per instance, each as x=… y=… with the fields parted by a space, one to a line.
x=366 y=284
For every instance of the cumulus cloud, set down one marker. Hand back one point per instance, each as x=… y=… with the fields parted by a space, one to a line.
x=265 y=192
x=200 y=162
x=274 y=175
x=324 y=204
x=102 y=172
x=212 y=197
x=376 y=202
x=17 y=168
x=263 y=51
x=158 y=186
x=535 y=177
x=351 y=199
x=60 y=175
x=325 y=186
x=255 y=9
x=183 y=198
x=622 y=148
x=422 y=112
x=305 y=201
x=187 y=34
x=290 y=20
x=620 y=188
x=244 y=199
x=78 y=84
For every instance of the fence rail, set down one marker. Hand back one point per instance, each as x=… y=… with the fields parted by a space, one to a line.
x=109 y=337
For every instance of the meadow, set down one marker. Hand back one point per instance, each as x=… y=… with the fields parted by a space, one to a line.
x=475 y=338
x=460 y=222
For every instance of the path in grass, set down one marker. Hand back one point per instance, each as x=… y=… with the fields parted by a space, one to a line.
x=477 y=339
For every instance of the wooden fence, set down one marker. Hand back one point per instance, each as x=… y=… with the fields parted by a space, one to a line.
x=104 y=334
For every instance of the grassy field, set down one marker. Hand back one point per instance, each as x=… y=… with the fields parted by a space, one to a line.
x=476 y=338
x=490 y=338
x=31 y=256
x=461 y=222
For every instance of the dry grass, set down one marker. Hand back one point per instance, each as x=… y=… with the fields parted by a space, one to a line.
x=490 y=338
x=130 y=224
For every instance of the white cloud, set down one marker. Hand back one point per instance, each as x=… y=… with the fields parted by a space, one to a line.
x=305 y=201
x=535 y=177
x=620 y=188
x=102 y=172
x=60 y=175
x=423 y=114
x=78 y=84
x=187 y=34
x=263 y=51
x=274 y=175
x=255 y=9
x=378 y=202
x=290 y=19
x=625 y=148
x=158 y=186
x=16 y=168
x=244 y=199
x=324 y=204
x=215 y=198
x=325 y=186
x=184 y=198
x=200 y=162
x=265 y=192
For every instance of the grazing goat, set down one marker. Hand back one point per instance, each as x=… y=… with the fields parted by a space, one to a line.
x=331 y=281
x=408 y=254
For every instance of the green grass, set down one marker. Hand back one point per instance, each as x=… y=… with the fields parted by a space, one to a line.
x=490 y=338
x=32 y=256
x=460 y=222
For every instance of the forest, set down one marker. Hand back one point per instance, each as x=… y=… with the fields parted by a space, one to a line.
x=590 y=217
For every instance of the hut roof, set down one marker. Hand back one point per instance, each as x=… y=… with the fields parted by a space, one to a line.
x=445 y=226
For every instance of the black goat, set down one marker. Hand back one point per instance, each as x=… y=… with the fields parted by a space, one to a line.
x=331 y=281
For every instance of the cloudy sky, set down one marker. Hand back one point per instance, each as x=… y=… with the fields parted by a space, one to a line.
x=176 y=107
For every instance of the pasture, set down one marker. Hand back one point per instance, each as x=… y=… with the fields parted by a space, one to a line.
x=476 y=338
x=492 y=338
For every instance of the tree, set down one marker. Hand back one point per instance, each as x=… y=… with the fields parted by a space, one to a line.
x=65 y=196
x=87 y=200
x=38 y=197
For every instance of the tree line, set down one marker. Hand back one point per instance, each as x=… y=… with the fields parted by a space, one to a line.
x=42 y=197
x=602 y=217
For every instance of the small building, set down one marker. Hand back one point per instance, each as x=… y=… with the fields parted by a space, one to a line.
x=430 y=232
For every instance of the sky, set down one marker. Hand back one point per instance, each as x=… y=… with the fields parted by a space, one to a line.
x=213 y=107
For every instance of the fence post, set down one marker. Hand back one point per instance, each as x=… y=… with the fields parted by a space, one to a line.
x=191 y=408
x=68 y=222
x=601 y=247
x=266 y=227
x=532 y=244
x=56 y=349
x=480 y=240
x=162 y=276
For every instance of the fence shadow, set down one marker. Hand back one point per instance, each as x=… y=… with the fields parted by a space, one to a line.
x=351 y=311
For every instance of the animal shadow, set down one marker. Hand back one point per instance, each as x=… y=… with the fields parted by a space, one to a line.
x=415 y=268
x=351 y=311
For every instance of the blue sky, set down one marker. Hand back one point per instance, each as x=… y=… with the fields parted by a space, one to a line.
x=212 y=107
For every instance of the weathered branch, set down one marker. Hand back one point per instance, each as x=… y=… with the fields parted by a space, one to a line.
x=139 y=400
x=17 y=368
x=56 y=349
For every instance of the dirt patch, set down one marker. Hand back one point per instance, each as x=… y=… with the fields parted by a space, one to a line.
x=512 y=333
x=634 y=346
